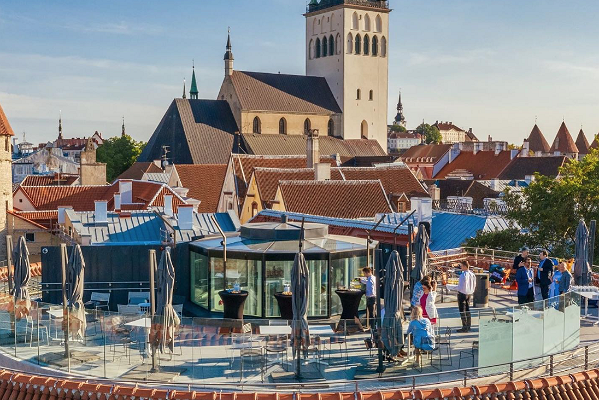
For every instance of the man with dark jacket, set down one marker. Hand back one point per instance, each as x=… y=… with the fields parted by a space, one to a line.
x=525 y=282
x=545 y=270
x=520 y=257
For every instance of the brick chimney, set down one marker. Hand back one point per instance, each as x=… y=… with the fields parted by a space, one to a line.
x=312 y=148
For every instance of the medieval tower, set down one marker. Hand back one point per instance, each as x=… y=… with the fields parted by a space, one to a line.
x=347 y=44
x=6 y=134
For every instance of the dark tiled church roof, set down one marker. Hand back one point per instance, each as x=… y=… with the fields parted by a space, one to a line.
x=284 y=93
x=519 y=167
x=196 y=131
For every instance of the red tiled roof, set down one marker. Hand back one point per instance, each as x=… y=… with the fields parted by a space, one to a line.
x=396 y=179
x=446 y=126
x=483 y=165
x=338 y=199
x=5 y=128
x=47 y=219
x=563 y=142
x=422 y=152
x=537 y=141
x=267 y=179
x=582 y=143
x=50 y=180
x=138 y=169
x=205 y=182
x=22 y=217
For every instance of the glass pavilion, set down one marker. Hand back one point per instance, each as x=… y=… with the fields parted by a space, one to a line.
x=260 y=256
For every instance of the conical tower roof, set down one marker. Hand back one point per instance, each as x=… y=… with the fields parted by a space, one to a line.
x=563 y=142
x=594 y=144
x=537 y=141
x=193 y=87
x=582 y=143
x=5 y=128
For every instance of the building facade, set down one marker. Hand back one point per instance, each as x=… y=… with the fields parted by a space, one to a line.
x=347 y=44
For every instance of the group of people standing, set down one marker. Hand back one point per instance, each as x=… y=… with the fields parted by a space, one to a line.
x=551 y=282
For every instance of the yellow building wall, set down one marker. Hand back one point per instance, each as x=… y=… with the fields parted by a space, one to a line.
x=269 y=122
x=17 y=227
x=252 y=196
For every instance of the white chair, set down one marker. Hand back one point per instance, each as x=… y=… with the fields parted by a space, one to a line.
x=98 y=300
x=138 y=297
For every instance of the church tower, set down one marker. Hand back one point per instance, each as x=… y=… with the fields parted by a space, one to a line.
x=347 y=44
x=6 y=198
x=193 y=87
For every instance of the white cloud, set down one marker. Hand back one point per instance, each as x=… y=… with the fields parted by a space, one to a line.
x=565 y=66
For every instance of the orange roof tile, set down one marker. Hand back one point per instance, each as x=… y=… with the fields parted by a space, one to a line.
x=563 y=142
x=268 y=179
x=338 y=199
x=483 y=165
x=138 y=169
x=5 y=128
x=423 y=152
x=21 y=217
x=396 y=179
x=537 y=141
x=205 y=182
x=50 y=180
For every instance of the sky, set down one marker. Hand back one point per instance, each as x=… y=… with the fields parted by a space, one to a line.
x=494 y=66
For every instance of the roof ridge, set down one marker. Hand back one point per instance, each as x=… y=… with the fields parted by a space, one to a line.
x=330 y=182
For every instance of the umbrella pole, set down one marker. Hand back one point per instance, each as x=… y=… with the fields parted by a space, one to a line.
x=297 y=332
x=152 y=262
x=63 y=266
x=591 y=246
x=379 y=262
x=9 y=261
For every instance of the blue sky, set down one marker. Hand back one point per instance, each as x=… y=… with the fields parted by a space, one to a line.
x=490 y=65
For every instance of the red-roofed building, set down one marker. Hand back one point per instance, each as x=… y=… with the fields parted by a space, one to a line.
x=426 y=160
x=480 y=165
x=563 y=143
x=50 y=180
x=537 y=142
x=204 y=183
x=453 y=134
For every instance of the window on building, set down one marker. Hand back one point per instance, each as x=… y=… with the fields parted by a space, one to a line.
x=254 y=208
x=367 y=23
x=318 y=48
x=366 y=45
x=311 y=50
x=282 y=126
x=357 y=41
x=383 y=47
x=378 y=24
x=30 y=237
x=306 y=125
x=375 y=46
x=256 y=125
x=364 y=130
x=332 y=21
x=324 y=51
x=315 y=26
x=330 y=126
x=338 y=44
x=331 y=45
x=349 y=44
x=371 y=95
x=355 y=21
x=357 y=94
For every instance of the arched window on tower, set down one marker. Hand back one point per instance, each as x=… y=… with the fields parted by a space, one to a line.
x=357 y=94
x=367 y=23
x=256 y=125
x=355 y=21
x=371 y=95
x=282 y=126
x=330 y=126
x=324 y=43
x=349 y=44
x=311 y=50
x=332 y=21
x=306 y=126
x=366 y=45
x=357 y=41
x=383 y=47
x=364 y=130
x=375 y=46
x=315 y=26
x=338 y=44
x=318 y=48
x=331 y=45
x=378 y=24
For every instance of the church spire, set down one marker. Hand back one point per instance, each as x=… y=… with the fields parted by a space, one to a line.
x=400 y=120
x=123 y=127
x=228 y=57
x=193 y=87
x=183 y=97
x=60 y=125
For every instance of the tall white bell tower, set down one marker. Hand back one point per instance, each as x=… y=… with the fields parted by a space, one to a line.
x=347 y=43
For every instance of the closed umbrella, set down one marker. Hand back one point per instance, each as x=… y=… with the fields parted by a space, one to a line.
x=581 y=269
x=162 y=334
x=421 y=246
x=300 y=306
x=22 y=276
x=391 y=334
x=76 y=268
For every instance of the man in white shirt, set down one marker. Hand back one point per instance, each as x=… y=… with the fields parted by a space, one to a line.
x=369 y=281
x=466 y=287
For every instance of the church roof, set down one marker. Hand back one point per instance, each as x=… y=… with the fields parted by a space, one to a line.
x=537 y=141
x=196 y=131
x=284 y=93
x=296 y=145
x=5 y=128
x=563 y=142
x=138 y=169
x=582 y=143
x=193 y=87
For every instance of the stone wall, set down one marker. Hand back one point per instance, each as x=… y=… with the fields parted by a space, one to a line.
x=6 y=200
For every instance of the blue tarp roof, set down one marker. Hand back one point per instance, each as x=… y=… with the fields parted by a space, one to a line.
x=449 y=230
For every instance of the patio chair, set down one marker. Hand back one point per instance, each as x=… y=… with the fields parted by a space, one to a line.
x=471 y=353
x=341 y=340
x=429 y=355
x=278 y=345
x=129 y=309
x=97 y=301
x=137 y=298
x=444 y=340
x=116 y=333
x=34 y=325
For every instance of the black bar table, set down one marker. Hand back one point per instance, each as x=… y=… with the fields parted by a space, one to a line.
x=350 y=300
x=233 y=304
x=285 y=305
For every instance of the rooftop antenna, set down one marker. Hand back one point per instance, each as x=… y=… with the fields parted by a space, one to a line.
x=536 y=119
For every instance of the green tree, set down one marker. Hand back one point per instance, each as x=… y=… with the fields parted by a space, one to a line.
x=119 y=153
x=397 y=128
x=549 y=210
x=431 y=133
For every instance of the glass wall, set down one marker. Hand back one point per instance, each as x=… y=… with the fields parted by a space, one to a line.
x=248 y=274
x=199 y=279
x=317 y=288
x=277 y=273
x=343 y=270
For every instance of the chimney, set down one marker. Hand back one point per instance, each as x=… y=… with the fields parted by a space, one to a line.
x=525 y=148
x=499 y=148
x=62 y=214
x=185 y=215
x=322 y=171
x=312 y=148
x=168 y=209
x=434 y=192
x=126 y=190
x=117 y=201
x=100 y=211
x=495 y=184
x=475 y=147
x=489 y=138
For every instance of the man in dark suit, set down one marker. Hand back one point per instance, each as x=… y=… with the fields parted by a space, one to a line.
x=525 y=282
x=520 y=257
x=545 y=270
